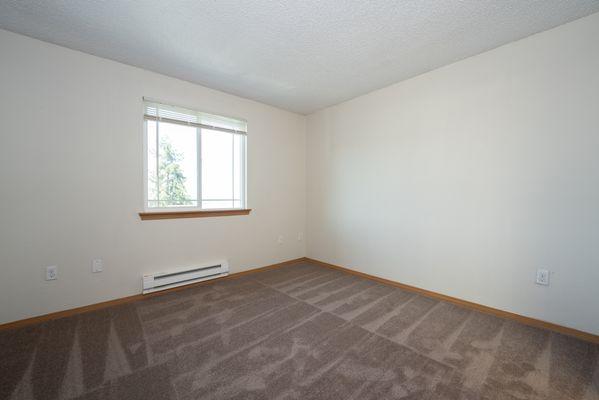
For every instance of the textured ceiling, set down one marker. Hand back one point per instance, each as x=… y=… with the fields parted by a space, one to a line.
x=298 y=55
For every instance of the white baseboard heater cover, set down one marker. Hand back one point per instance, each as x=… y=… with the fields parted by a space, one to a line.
x=184 y=276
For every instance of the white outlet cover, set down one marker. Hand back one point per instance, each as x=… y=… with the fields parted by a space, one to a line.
x=97 y=265
x=51 y=272
x=543 y=277
x=280 y=239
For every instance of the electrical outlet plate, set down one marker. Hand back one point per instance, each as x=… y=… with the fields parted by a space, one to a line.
x=543 y=277
x=51 y=273
x=97 y=265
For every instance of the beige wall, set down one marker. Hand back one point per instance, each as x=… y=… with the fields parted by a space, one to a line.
x=467 y=179
x=71 y=181
x=463 y=180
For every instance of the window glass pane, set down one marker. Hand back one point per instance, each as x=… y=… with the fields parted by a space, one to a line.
x=175 y=185
x=172 y=167
x=217 y=169
x=214 y=204
x=151 y=157
x=237 y=170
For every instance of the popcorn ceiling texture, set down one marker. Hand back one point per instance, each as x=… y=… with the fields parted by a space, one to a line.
x=298 y=55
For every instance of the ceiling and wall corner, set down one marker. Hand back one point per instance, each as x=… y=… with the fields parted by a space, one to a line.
x=298 y=55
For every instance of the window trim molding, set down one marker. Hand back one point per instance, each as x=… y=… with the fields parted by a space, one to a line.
x=154 y=215
x=148 y=211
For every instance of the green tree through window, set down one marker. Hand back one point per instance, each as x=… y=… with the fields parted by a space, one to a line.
x=171 y=181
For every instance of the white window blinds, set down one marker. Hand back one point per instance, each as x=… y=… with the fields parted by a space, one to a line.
x=177 y=115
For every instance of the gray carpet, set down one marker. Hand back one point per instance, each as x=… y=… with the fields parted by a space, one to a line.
x=299 y=332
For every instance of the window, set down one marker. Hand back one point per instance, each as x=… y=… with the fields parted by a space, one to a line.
x=193 y=161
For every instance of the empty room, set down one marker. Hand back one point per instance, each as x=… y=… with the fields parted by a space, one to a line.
x=332 y=199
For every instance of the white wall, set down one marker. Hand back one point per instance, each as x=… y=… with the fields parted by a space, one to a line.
x=71 y=181
x=467 y=179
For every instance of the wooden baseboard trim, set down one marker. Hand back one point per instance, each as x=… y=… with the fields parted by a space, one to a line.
x=454 y=300
x=97 y=306
x=589 y=337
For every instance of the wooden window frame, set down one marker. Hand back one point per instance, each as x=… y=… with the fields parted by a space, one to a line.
x=154 y=215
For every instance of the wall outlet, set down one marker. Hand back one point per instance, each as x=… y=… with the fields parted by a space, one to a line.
x=300 y=236
x=280 y=239
x=97 y=265
x=51 y=273
x=542 y=277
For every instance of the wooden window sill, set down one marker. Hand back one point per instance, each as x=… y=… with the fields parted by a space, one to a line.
x=191 y=214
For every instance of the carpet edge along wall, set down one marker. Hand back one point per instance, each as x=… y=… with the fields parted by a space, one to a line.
x=587 y=336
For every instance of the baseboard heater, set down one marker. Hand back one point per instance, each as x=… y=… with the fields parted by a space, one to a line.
x=184 y=276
